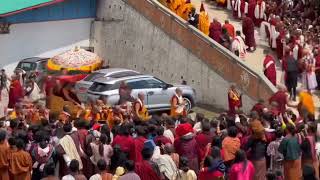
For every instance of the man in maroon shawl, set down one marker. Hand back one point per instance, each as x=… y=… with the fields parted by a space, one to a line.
x=248 y=31
x=146 y=169
x=186 y=145
x=269 y=67
x=281 y=98
x=15 y=91
x=215 y=30
x=203 y=139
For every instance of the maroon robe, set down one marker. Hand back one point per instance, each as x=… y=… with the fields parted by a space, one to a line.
x=215 y=31
x=270 y=69
x=279 y=97
x=248 y=31
x=15 y=93
x=251 y=8
x=187 y=146
x=203 y=139
x=279 y=41
x=242 y=7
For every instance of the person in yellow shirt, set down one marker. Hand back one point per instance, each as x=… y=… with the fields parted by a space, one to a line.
x=175 y=5
x=140 y=110
x=203 y=21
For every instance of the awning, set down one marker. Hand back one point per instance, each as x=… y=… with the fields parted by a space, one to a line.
x=10 y=7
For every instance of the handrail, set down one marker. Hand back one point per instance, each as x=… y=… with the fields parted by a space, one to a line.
x=260 y=87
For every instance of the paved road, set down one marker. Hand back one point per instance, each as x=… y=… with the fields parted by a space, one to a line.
x=253 y=60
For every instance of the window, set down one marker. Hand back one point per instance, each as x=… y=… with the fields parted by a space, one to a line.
x=42 y=66
x=27 y=66
x=100 y=87
x=93 y=76
x=124 y=74
x=139 y=84
x=154 y=83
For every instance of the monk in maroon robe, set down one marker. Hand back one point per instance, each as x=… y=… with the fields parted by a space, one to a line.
x=15 y=92
x=281 y=99
x=270 y=69
x=215 y=30
x=280 y=43
x=251 y=8
x=248 y=31
x=243 y=7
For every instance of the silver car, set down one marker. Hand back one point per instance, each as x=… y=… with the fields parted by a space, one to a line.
x=157 y=93
x=82 y=86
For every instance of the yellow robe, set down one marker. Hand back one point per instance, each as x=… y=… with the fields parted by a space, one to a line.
x=204 y=22
x=176 y=4
x=185 y=10
x=307 y=102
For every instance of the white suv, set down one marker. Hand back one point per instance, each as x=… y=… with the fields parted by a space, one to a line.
x=157 y=93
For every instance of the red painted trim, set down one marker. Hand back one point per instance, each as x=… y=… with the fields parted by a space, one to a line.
x=32 y=7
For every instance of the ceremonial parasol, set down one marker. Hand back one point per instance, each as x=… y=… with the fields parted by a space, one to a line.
x=75 y=59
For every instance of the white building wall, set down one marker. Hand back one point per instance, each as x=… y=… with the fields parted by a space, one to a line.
x=42 y=39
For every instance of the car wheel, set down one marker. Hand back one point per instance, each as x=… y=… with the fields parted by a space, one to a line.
x=188 y=104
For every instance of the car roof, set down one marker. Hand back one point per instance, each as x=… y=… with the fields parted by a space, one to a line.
x=109 y=80
x=113 y=70
x=34 y=59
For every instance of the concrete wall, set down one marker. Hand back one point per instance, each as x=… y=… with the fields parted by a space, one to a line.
x=142 y=35
x=43 y=39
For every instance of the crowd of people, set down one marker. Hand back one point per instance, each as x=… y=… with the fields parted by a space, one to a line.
x=101 y=141
x=291 y=29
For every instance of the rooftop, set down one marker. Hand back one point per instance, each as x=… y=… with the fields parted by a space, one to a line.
x=10 y=7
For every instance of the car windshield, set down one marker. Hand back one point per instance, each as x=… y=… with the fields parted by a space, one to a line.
x=93 y=76
x=27 y=66
x=100 y=87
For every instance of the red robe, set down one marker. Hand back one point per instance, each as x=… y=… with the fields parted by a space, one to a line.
x=145 y=171
x=230 y=29
x=15 y=93
x=215 y=31
x=279 y=97
x=138 y=146
x=234 y=100
x=270 y=69
x=248 y=31
x=126 y=144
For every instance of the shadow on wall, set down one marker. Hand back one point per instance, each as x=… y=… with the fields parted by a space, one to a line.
x=43 y=39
